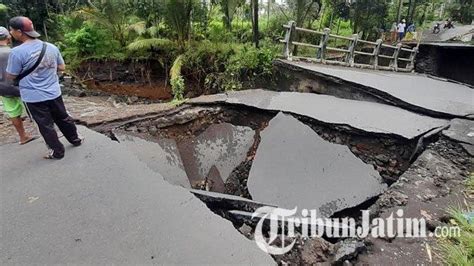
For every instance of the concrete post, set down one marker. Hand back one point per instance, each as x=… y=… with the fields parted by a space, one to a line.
x=394 y=63
x=288 y=39
x=375 y=59
x=352 y=47
x=411 y=65
x=323 y=44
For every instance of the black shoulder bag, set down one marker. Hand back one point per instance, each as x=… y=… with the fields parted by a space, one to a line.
x=9 y=90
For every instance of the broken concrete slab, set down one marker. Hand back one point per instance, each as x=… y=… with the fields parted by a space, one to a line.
x=99 y=205
x=468 y=148
x=215 y=153
x=447 y=34
x=414 y=92
x=364 y=116
x=460 y=130
x=161 y=156
x=295 y=167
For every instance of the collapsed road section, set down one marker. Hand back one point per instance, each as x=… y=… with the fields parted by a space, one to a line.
x=363 y=116
x=415 y=92
x=289 y=149
x=235 y=152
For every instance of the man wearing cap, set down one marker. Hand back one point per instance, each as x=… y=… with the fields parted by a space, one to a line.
x=401 y=30
x=40 y=89
x=12 y=106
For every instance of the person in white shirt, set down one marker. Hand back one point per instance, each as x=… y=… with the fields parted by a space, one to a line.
x=401 y=30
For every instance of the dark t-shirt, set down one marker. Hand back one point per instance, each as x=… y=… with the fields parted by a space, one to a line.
x=4 y=53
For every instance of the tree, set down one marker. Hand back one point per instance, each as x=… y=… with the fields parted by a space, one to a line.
x=462 y=11
x=3 y=14
x=110 y=14
x=178 y=17
x=368 y=15
x=255 y=22
x=228 y=8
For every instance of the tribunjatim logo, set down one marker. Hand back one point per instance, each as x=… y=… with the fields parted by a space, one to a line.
x=309 y=225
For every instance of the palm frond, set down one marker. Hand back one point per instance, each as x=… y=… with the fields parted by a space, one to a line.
x=149 y=44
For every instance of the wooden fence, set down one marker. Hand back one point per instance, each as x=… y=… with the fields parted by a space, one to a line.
x=322 y=49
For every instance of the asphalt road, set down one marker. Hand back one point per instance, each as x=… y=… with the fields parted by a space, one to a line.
x=443 y=97
x=364 y=116
x=101 y=205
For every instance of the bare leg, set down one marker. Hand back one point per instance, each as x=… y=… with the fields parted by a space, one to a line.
x=18 y=124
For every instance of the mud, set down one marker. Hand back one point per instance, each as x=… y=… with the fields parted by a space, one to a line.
x=154 y=91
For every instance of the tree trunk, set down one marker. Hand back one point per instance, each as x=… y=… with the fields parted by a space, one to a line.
x=399 y=10
x=413 y=11
x=268 y=11
x=255 y=22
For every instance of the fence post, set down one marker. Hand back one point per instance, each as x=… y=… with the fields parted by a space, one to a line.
x=413 y=53
x=394 y=63
x=352 y=47
x=288 y=39
x=378 y=45
x=323 y=43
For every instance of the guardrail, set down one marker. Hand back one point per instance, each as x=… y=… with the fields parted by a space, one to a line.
x=350 y=52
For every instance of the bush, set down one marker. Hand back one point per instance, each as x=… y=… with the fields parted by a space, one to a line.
x=89 y=41
x=207 y=57
x=177 y=80
x=223 y=66
x=247 y=65
x=163 y=49
x=216 y=32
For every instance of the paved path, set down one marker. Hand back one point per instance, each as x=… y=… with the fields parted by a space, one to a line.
x=364 y=116
x=90 y=111
x=101 y=205
x=446 y=34
x=417 y=92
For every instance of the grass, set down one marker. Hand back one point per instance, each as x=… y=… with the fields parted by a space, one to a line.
x=177 y=102
x=459 y=250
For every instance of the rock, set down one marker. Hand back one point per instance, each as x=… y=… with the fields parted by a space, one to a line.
x=132 y=129
x=392 y=162
x=132 y=99
x=393 y=198
x=382 y=158
x=348 y=250
x=152 y=130
x=67 y=80
x=354 y=150
x=246 y=230
x=316 y=250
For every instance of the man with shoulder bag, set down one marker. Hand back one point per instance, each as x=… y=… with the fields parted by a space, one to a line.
x=35 y=64
x=12 y=104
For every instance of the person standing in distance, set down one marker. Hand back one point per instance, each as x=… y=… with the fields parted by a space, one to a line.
x=40 y=89
x=401 y=30
x=12 y=105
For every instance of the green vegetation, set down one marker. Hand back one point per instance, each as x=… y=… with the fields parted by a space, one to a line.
x=459 y=250
x=212 y=44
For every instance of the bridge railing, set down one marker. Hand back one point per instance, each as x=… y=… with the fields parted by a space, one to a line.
x=351 y=51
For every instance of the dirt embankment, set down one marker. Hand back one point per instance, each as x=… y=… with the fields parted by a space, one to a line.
x=143 y=78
